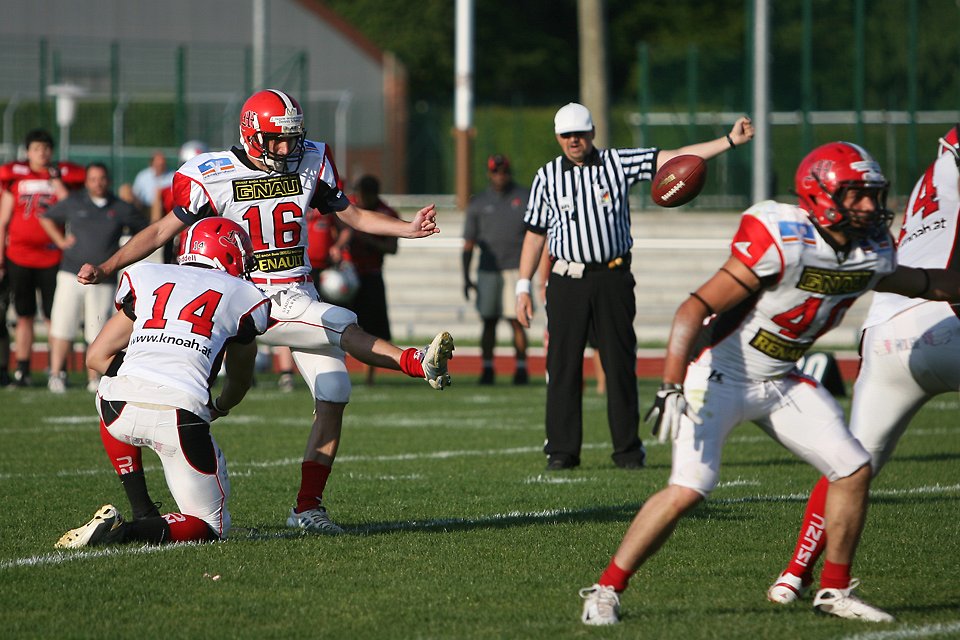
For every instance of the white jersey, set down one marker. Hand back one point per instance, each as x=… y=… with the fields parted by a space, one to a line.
x=929 y=235
x=272 y=207
x=806 y=290
x=183 y=317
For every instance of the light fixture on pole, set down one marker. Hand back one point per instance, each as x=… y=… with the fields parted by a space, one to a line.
x=66 y=95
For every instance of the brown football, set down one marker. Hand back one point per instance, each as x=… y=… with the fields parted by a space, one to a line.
x=679 y=181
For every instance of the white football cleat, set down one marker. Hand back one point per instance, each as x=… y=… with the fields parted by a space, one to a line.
x=314 y=521
x=601 y=605
x=788 y=588
x=434 y=358
x=107 y=519
x=843 y=604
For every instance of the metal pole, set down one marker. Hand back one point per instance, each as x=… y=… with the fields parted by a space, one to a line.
x=593 y=67
x=806 y=81
x=913 y=84
x=261 y=27
x=463 y=99
x=340 y=133
x=761 y=101
x=859 y=72
x=692 y=97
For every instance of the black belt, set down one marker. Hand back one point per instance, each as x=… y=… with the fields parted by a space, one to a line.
x=620 y=262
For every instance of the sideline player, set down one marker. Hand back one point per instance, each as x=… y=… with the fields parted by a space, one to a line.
x=910 y=351
x=28 y=256
x=792 y=273
x=176 y=324
x=267 y=185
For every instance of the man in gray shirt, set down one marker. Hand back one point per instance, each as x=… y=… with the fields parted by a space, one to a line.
x=495 y=224
x=94 y=221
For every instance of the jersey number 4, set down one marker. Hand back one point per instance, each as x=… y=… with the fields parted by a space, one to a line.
x=198 y=312
x=795 y=322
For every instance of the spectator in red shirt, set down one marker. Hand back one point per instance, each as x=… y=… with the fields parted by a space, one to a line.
x=366 y=252
x=28 y=257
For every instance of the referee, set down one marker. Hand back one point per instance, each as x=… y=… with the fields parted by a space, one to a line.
x=578 y=207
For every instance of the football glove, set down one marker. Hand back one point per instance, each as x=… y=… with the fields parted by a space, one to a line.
x=665 y=413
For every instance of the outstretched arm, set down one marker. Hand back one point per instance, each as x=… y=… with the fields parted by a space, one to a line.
x=741 y=133
x=138 y=248
x=931 y=284
x=424 y=224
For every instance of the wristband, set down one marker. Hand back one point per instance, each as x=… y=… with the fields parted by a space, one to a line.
x=730 y=140
x=523 y=286
x=217 y=408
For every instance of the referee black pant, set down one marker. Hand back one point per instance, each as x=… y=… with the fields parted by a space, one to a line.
x=603 y=299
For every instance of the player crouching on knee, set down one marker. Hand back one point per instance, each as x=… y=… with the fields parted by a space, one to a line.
x=157 y=356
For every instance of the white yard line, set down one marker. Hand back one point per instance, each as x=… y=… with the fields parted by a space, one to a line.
x=924 y=631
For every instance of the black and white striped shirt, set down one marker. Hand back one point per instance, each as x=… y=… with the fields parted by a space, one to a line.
x=584 y=209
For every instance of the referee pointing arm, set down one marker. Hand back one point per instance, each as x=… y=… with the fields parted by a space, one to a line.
x=579 y=208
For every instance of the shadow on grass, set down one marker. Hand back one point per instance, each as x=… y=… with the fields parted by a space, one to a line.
x=623 y=513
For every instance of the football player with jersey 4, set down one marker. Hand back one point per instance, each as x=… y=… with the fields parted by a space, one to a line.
x=731 y=357
x=176 y=324
x=909 y=350
x=267 y=185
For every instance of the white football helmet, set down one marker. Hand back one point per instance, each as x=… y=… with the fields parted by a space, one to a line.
x=339 y=284
x=191 y=149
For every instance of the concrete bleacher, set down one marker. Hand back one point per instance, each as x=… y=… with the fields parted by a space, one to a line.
x=674 y=252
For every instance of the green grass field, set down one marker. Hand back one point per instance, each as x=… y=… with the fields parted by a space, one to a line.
x=457 y=530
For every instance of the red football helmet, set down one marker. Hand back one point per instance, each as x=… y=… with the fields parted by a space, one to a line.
x=272 y=115
x=220 y=244
x=828 y=174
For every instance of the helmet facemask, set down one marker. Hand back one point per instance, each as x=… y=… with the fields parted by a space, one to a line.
x=834 y=181
x=855 y=222
x=261 y=146
x=270 y=119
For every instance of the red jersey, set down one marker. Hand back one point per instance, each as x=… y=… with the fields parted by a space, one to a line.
x=28 y=244
x=319 y=238
x=367 y=250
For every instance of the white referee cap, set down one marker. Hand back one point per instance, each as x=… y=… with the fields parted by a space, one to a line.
x=572 y=117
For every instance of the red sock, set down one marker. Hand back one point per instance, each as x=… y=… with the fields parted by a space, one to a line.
x=614 y=576
x=313 y=480
x=834 y=576
x=184 y=528
x=123 y=456
x=409 y=363
x=813 y=534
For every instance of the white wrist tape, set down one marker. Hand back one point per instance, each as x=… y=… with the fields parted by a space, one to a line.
x=523 y=286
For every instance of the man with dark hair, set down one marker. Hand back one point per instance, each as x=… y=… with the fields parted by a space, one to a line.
x=87 y=227
x=27 y=189
x=494 y=224
x=366 y=251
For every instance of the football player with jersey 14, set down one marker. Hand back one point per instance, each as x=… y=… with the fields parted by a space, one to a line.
x=160 y=353
x=267 y=185
x=909 y=350
x=792 y=273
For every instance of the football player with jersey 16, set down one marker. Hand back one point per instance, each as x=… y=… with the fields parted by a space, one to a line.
x=267 y=185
